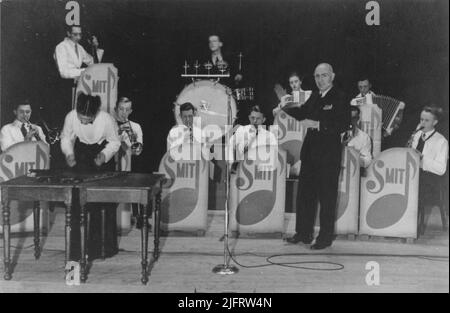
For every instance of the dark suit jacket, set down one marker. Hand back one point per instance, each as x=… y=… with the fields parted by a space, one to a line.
x=333 y=113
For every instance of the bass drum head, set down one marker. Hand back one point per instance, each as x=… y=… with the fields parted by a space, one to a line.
x=211 y=101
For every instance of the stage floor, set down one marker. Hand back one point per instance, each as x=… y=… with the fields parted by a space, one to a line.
x=186 y=262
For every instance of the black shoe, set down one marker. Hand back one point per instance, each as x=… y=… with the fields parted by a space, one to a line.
x=299 y=238
x=320 y=245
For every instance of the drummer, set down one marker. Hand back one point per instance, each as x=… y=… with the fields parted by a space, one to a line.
x=217 y=57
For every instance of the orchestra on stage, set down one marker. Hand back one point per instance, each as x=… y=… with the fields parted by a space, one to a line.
x=321 y=137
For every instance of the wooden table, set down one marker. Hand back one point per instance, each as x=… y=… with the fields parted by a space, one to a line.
x=25 y=188
x=144 y=189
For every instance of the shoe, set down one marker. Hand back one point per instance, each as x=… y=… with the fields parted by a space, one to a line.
x=320 y=245
x=299 y=238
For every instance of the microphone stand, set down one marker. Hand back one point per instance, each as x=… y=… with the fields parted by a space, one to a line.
x=226 y=268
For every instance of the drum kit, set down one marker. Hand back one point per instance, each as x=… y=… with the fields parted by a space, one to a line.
x=212 y=99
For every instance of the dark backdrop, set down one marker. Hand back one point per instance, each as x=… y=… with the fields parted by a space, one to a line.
x=148 y=41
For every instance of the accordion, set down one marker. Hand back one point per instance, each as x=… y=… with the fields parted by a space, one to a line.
x=391 y=109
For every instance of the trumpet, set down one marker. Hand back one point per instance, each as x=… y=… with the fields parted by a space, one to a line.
x=126 y=127
x=30 y=127
x=411 y=139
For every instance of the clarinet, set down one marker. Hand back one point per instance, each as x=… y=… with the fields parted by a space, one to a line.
x=411 y=139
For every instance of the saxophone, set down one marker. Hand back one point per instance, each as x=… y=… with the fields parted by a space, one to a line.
x=411 y=139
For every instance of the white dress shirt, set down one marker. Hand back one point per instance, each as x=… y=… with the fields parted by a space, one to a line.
x=361 y=142
x=245 y=139
x=11 y=134
x=435 y=152
x=180 y=134
x=69 y=64
x=103 y=128
x=136 y=128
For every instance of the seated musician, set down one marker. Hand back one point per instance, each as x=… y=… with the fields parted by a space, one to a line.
x=365 y=90
x=364 y=87
x=130 y=132
x=295 y=82
x=89 y=141
x=186 y=132
x=433 y=150
x=358 y=139
x=249 y=136
x=21 y=129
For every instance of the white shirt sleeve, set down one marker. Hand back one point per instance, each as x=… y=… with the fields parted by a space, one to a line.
x=365 y=155
x=41 y=134
x=139 y=134
x=64 y=67
x=68 y=136
x=438 y=164
x=6 y=139
x=111 y=135
x=86 y=57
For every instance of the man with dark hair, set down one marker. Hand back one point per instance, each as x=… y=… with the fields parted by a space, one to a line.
x=327 y=115
x=364 y=87
x=357 y=139
x=70 y=55
x=21 y=129
x=89 y=141
x=433 y=149
x=218 y=58
x=295 y=82
x=71 y=59
x=184 y=133
x=249 y=136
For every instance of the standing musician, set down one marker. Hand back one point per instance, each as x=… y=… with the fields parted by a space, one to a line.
x=358 y=139
x=89 y=141
x=326 y=114
x=433 y=150
x=21 y=129
x=71 y=58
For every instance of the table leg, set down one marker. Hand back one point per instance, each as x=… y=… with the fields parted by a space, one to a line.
x=157 y=216
x=36 y=218
x=144 y=245
x=84 y=240
x=6 y=238
x=103 y=221
x=67 y=234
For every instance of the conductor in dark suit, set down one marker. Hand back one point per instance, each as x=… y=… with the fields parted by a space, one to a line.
x=327 y=115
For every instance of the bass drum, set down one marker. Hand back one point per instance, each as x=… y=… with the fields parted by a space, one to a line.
x=211 y=101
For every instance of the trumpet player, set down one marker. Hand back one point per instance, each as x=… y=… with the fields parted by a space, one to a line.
x=21 y=129
x=130 y=133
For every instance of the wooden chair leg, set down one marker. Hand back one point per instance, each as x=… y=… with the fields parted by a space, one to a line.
x=443 y=218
